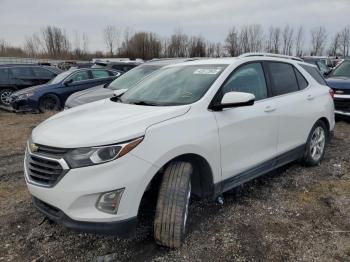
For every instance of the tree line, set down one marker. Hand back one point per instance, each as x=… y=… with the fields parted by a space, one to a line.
x=53 y=42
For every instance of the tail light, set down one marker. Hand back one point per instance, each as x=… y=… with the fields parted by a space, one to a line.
x=331 y=93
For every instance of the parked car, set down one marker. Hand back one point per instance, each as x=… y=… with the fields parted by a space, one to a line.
x=53 y=95
x=323 y=64
x=124 y=66
x=197 y=128
x=14 y=77
x=339 y=81
x=124 y=82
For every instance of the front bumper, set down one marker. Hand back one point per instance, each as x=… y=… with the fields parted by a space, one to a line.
x=342 y=105
x=26 y=105
x=77 y=192
x=123 y=228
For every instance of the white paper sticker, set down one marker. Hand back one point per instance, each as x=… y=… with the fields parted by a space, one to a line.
x=207 y=71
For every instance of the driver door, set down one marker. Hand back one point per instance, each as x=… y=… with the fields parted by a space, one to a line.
x=248 y=135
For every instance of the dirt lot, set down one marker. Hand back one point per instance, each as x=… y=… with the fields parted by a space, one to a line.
x=293 y=214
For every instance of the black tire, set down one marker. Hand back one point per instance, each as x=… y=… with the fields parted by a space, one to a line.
x=5 y=93
x=172 y=206
x=49 y=103
x=309 y=158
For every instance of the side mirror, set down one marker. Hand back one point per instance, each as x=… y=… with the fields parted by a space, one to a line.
x=119 y=92
x=235 y=99
x=67 y=82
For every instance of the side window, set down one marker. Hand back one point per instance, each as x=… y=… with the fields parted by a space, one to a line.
x=99 y=74
x=301 y=80
x=44 y=73
x=283 y=78
x=313 y=71
x=80 y=76
x=22 y=72
x=4 y=75
x=248 y=78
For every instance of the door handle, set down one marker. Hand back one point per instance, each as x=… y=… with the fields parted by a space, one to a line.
x=269 y=109
x=310 y=97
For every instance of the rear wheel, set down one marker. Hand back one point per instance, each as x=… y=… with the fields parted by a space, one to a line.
x=49 y=103
x=316 y=144
x=170 y=223
x=5 y=94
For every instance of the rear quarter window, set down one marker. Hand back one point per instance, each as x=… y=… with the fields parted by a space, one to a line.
x=313 y=71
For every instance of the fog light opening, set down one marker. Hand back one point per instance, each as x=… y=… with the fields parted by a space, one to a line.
x=109 y=201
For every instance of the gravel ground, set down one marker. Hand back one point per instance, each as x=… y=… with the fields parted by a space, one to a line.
x=292 y=214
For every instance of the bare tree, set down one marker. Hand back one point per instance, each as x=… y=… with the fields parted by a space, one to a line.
x=85 y=43
x=231 y=42
x=287 y=37
x=197 y=47
x=178 y=44
x=273 y=41
x=345 y=41
x=299 y=41
x=55 y=42
x=219 y=50
x=255 y=37
x=335 y=45
x=33 y=45
x=318 y=40
x=111 y=37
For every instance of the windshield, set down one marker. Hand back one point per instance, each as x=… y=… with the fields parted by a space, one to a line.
x=178 y=85
x=59 y=77
x=342 y=70
x=132 y=77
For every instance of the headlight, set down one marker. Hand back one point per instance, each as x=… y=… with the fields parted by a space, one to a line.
x=88 y=156
x=24 y=96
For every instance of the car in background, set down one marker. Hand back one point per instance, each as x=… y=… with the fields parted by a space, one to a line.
x=124 y=82
x=339 y=81
x=14 y=77
x=323 y=64
x=53 y=95
x=124 y=66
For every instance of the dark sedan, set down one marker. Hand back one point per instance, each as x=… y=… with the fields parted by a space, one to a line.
x=53 y=94
x=339 y=81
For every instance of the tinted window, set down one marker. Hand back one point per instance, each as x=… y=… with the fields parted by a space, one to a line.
x=249 y=78
x=22 y=72
x=3 y=75
x=342 y=70
x=99 y=74
x=80 y=76
x=313 y=71
x=301 y=80
x=41 y=72
x=283 y=78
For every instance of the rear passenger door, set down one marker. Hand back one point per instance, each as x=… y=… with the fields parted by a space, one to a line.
x=293 y=99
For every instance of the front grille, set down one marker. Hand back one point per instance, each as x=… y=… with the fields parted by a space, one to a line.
x=49 y=151
x=342 y=105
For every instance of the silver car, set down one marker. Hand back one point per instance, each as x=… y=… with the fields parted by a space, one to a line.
x=121 y=84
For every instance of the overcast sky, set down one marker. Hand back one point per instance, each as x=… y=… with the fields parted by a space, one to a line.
x=210 y=18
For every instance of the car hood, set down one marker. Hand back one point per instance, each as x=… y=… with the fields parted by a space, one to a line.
x=101 y=123
x=339 y=82
x=31 y=89
x=88 y=96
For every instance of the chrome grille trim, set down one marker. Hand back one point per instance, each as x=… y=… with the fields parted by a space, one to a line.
x=45 y=171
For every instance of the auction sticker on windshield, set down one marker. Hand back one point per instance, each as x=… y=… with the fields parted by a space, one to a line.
x=207 y=71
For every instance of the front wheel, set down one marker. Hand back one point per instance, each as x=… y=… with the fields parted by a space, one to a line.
x=316 y=144
x=49 y=103
x=5 y=94
x=170 y=223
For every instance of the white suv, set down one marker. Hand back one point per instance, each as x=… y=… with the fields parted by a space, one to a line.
x=199 y=128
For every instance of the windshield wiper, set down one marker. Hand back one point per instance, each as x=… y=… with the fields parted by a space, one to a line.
x=143 y=103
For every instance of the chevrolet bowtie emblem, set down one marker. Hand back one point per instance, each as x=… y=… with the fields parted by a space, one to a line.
x=33 y=147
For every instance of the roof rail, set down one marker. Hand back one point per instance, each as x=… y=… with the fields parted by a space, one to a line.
x=271 y=55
